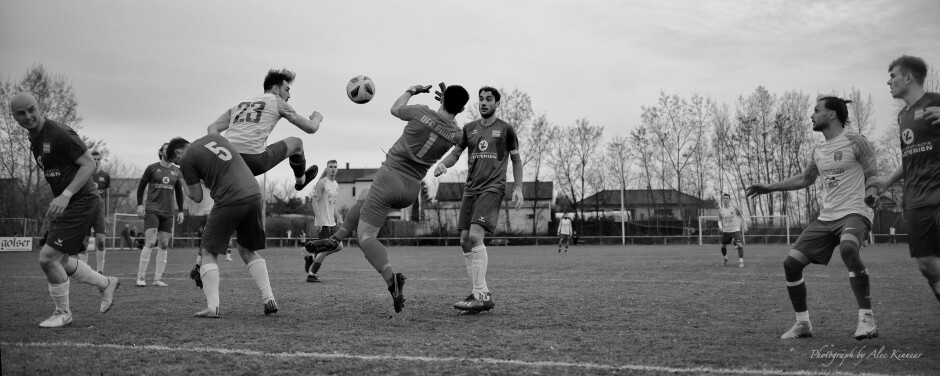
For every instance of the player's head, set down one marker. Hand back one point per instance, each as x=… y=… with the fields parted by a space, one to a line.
x=175 y=149
x=25 y=110
x=489 y=101
x=455 y=97
x=161 y=152
x=278 y=82
x=725 y=200
x=904 y=72
x=830 y=111
x=331 y=168
x=97 y=157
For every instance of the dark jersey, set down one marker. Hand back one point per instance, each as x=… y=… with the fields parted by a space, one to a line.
x=56 y=148
x=920 y=153
x=103 y=181
x=426 y=138
x=488 y=150
x=163 y=182
x=214 y=160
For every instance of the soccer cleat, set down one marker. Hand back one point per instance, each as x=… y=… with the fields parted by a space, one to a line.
x=107 y=294
x=100 y=272
x=398 y=297
x=209 y=313
x=270 y=307
x=228 y=257
x=802 y=329
x=487 y=301
x=309 y=175
x=195 y=276
x=57 y=320
x=469 y=304
x=141 y=283
x=741 y=264
x=321 y=245
x=866 y=327
x=724 y=263
x=312 y=278
x=159 y=283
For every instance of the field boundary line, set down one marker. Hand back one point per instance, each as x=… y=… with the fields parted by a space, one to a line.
x=423 y=359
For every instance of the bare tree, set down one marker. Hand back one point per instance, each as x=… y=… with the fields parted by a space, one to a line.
x=861 y=113
x=535 y=150
x=586 y=140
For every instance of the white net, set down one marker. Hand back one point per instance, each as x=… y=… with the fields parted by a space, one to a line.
x=760 y=229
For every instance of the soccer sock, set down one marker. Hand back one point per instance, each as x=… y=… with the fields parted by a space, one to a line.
x=316 y=267
x=377 y=256
x=198 y=259
x=142 y=265
x=99 y=258
x=796 y=287
x=60 y=296
x=210 y=283
x=308 y=260
x=724 y=251
x=468 y=260
x=83 y=257
x=84 y=274
x=350 y=223
x=741 y=253
x=480 y=261
x=298 y=163
x=935 y=287
x=161 y=264
x=861 y=288
x=258 y=269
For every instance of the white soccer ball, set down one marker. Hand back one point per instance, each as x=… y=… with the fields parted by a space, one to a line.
x=360 y=89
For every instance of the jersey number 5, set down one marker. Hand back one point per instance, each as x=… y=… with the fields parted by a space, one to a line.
x=219 y=151
x=256 y=107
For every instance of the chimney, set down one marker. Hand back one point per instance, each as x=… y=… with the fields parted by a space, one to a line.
x=347 y=165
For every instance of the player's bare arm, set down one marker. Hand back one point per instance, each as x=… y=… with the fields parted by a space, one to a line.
x=806 y=179
x=449 y=161
x=86 y=165
x=178 y=190
x=194 y=191
x=309 y=125
x=406 y=96
x=220 y=124
x=517 y=197
x=141 y=187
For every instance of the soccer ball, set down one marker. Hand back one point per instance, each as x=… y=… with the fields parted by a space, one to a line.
x=360 y=89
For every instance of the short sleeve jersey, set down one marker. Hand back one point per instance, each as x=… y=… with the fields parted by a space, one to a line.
x=730 y=219
x=843 y=162
x=161 y=182
x=251 y=122
x=324 y=202
x=103 y=180
x=920 y=153
x=56 y=148
x=212 y=160
x=488 y=149
x=564 y=227
x=426 y=138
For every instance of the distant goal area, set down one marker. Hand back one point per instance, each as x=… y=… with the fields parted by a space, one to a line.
x=772 y=229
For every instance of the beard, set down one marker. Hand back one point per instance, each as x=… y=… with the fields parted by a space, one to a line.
x=487 y=115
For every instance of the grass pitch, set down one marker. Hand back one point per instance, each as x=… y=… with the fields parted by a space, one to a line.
x=593 y=310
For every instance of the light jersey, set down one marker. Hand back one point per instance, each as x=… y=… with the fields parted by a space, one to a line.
x=488 y=149
x=252 y=120
x=324 y=202
x=212 y=160
x=920 y=153
x=564 y=227
x=730 y=219
x=426 y=138
x=843 y=162
x=162 y=182
x=56 y=148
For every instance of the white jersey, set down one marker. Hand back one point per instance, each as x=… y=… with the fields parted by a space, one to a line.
x=843 y=162
x=251 y=122
x=730 y=218
x=324 y=202
x=564 y=228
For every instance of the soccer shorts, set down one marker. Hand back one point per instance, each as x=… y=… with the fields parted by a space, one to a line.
x=821 y=238
x=564 y=238
x=69 y=233
x=924 y=230
x=732 y=237
x=481 y=209
x=161 y=221
x=100 y=221
x=326 y=231
x=262 y=162
x=390 y=190
x=242 y=218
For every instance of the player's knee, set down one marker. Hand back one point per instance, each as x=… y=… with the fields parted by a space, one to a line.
x=792 y=266
x=928 y=271
x=294 y=145
x=465 y=239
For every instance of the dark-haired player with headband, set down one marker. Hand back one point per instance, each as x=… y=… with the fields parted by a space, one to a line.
x=732 y=226
x=248 y=124
x=920 y=157
x=846 y=162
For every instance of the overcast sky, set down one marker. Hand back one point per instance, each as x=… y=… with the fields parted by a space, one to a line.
x=146 y=71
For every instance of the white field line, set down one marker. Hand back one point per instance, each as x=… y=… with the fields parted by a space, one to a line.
x=425 y=359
